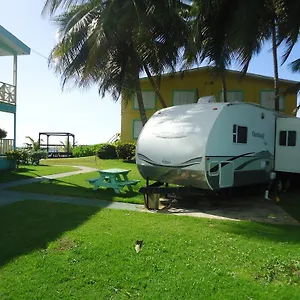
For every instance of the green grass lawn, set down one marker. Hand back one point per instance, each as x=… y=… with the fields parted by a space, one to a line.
x=73 y=252
x=28 y=171
x=77 y=185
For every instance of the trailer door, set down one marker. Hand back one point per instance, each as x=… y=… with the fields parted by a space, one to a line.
x=287 y=149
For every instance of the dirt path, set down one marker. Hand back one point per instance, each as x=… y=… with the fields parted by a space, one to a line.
x=249 y=209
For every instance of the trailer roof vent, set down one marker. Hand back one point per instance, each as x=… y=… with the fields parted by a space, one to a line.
x=207 y=99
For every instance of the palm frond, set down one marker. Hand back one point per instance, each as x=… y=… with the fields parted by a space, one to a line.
x=295 y=65
x=51 y=6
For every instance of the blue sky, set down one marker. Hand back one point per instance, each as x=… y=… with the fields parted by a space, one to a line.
x=42 y=106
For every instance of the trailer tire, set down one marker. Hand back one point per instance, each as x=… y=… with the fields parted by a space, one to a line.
x=286 y=184
x=278 y=185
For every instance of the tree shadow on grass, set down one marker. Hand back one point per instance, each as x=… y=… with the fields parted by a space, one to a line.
x=18 y=174
x=32 y=225
x=263 y=231
x=60 y=187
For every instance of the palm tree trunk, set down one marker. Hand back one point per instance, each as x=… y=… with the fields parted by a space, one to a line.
x=155 y=87
x=224 y=87
x=275 y=61
x=140 y=101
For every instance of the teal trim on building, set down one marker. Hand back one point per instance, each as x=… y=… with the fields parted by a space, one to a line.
x=272 y=90
x=146 y=108
x=132 y=129
x=220 y=98
x=4 y=163
x=12 y=43
x=195 y=91
x=5 y=107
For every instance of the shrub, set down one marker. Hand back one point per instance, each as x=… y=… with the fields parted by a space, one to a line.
x=25 y=156
x=36 y=156
x=106 y=151
x=83 y=150
x=126 y=151
x=15 y=157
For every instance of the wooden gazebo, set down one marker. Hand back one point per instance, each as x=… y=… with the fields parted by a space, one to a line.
x=55 y=154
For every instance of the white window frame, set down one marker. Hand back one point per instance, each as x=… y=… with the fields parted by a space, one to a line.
x=270 y=94
x=139 y=124
x=287 y=133
x=190 y=101
x=233 y=96
x=236 y=135
x=149 y=104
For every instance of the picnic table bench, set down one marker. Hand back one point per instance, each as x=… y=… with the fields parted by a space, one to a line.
x=112 y=178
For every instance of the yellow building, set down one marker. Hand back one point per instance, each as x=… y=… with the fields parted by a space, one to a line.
x=176 y=90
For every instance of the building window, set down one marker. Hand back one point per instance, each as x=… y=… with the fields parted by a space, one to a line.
x=267 y=100
x=287 y=138
x=240 y=134
x=136 y=128
x=233 y=96
x=184 y=97
x=148 y=99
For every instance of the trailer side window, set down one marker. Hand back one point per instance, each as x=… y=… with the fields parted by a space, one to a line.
x=282 y=138
x=240 y=134
x=287 y=138
x=292 y=138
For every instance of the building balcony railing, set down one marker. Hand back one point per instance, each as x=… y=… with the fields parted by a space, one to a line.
x=7 y=93
x=6 y=145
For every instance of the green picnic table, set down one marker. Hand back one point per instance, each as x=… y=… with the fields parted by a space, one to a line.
x=113 y=178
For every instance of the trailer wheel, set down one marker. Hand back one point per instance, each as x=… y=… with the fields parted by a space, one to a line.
x=286 y=184
x=278 y=185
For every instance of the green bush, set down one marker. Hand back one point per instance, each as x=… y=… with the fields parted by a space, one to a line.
x=125 y=151
x=84 y=150
x=15 y=158
x=25 y=156
x=106 y=151
x=36 y=156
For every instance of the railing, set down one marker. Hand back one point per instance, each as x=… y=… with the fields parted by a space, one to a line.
x=7 y=93
x=6 y=145
x=114 y=138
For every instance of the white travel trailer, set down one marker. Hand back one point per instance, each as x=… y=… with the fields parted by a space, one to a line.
x=218 y=145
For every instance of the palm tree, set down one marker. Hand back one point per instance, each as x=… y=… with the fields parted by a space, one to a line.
x=67 y=146
x=209 y=41
x=246 y=26
x=256 y=22
x=96 y=47
x=110 y=43
x=288 y=34
x=35 y=145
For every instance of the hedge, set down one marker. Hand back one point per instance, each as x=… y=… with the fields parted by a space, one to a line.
x=107 y=151
x=124 y=151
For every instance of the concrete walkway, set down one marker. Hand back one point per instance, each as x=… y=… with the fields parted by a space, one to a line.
x=262 y=212
x=9 y=197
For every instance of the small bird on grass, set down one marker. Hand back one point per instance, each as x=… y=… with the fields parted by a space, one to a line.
x=138 y=246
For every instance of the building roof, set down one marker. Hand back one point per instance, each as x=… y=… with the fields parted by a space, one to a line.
x=257 y=76
x=11 y=45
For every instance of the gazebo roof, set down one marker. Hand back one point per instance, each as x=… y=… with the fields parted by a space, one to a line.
x=11 y=45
